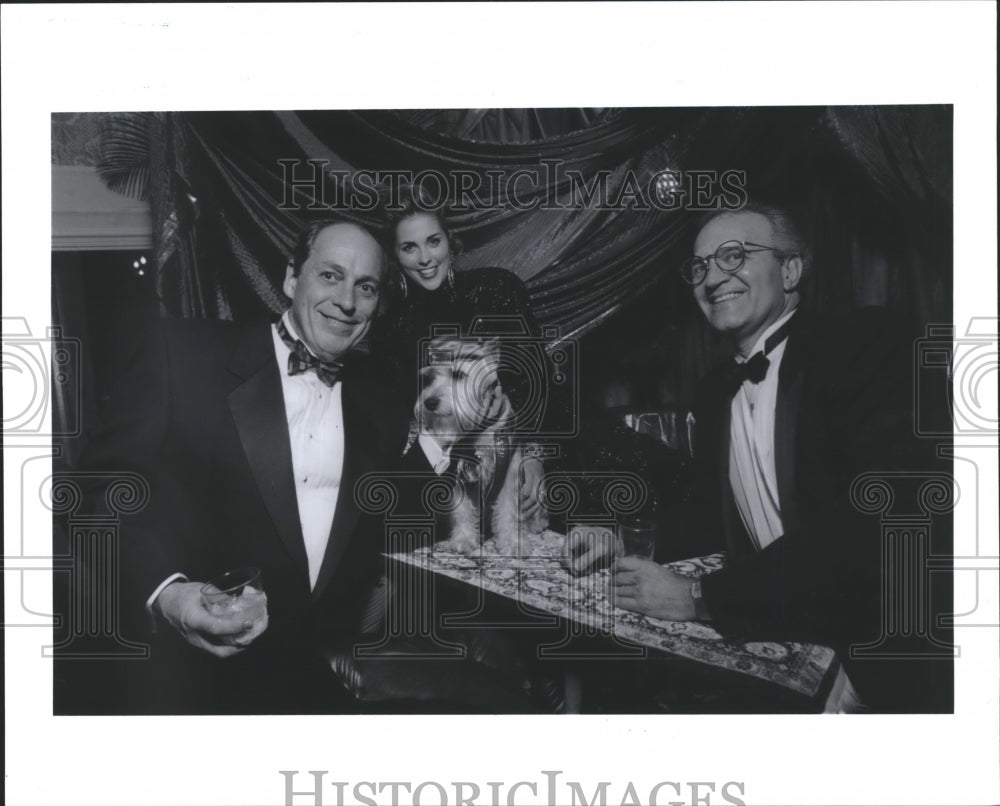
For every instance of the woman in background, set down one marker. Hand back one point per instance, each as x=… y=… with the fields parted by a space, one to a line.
x=431 y=292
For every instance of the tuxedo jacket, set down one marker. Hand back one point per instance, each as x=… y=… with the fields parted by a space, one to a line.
x=202 y=419
x=844 y=408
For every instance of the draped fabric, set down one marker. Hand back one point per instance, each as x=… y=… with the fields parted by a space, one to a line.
x=905 y=150
x=229 y=164
x=871 y=184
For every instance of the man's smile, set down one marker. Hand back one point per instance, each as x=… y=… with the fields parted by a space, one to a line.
x=716 y=299
x=337 y=320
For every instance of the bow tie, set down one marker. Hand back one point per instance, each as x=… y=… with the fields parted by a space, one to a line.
x=301 y=360
x=755 y=369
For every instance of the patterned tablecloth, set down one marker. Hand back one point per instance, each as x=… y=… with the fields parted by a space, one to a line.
x=539 y=580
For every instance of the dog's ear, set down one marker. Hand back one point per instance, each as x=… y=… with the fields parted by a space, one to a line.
x=489 y=353
x=506 y=410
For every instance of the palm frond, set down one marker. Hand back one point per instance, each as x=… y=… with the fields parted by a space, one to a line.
x=125 y=150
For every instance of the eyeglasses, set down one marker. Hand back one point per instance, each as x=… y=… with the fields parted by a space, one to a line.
x=729 y=257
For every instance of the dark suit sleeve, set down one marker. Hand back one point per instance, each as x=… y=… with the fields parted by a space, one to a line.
x=703 y=520
x=132 y=442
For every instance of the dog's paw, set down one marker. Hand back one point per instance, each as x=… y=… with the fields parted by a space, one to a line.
x=536 y=524
x=508 y=545
x=460 y=544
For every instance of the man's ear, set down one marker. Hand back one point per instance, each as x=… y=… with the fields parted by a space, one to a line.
x=791 y=273
x=290 y=281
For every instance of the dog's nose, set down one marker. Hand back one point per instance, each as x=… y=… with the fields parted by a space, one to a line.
x=431 y=404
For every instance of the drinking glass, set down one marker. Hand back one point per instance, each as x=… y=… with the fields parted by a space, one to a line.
x=236 y=592
x=636 y=538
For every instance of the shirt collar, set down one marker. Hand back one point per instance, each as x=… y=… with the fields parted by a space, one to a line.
x=439 y=459
x=286 y=317
x=758 y=345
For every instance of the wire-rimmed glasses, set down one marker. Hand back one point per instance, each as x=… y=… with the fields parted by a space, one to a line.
x=729 y=257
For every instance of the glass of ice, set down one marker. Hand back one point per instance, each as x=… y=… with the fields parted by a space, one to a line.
x=636 y=538
x=236 y=592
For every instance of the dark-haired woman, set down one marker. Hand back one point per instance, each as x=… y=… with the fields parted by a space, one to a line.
x=433 y=294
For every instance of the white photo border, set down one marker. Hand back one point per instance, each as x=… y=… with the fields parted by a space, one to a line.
x=75 y=58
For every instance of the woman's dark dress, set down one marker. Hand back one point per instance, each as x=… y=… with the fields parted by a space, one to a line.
x=487 y=302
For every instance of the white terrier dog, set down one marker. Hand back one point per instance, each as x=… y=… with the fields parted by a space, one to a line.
x=462 y=405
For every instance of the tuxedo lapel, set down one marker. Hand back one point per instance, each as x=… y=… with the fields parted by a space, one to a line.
x=360 y=457
x=717 y=440
x=736 y=536
x=786 y=424
x=257 y=405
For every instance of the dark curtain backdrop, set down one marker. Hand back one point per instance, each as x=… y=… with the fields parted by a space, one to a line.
x=872 y=186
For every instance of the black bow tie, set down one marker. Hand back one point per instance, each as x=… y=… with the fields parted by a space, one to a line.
x=301 y=360
x=754 y=369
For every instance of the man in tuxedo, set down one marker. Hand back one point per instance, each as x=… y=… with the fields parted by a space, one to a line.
x=783 y=431
x=252 y=438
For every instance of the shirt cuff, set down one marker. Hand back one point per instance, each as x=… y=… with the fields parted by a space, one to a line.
x=159 y=590
x=701 y=612
x=439 y=459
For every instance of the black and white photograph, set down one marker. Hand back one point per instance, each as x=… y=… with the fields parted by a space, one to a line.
x=604 y=516
x=372 y=446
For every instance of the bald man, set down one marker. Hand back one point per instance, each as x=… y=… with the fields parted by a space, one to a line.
x=252 y=438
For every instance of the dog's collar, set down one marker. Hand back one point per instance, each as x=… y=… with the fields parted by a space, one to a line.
x=501 y=444
x=502 y=441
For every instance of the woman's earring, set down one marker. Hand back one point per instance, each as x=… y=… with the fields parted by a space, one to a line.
x=402 y=284
x=451 y=272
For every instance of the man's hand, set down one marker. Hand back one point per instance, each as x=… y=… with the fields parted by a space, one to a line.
x=588 y=548
x=532 y=487
x=655 y=591
x=223 y=636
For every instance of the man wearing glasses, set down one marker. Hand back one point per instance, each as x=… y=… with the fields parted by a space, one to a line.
x=783 y=430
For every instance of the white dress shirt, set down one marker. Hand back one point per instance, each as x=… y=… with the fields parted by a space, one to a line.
x=315 y=419
x=440 y=459
x=316 y=431
x=752 y=473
